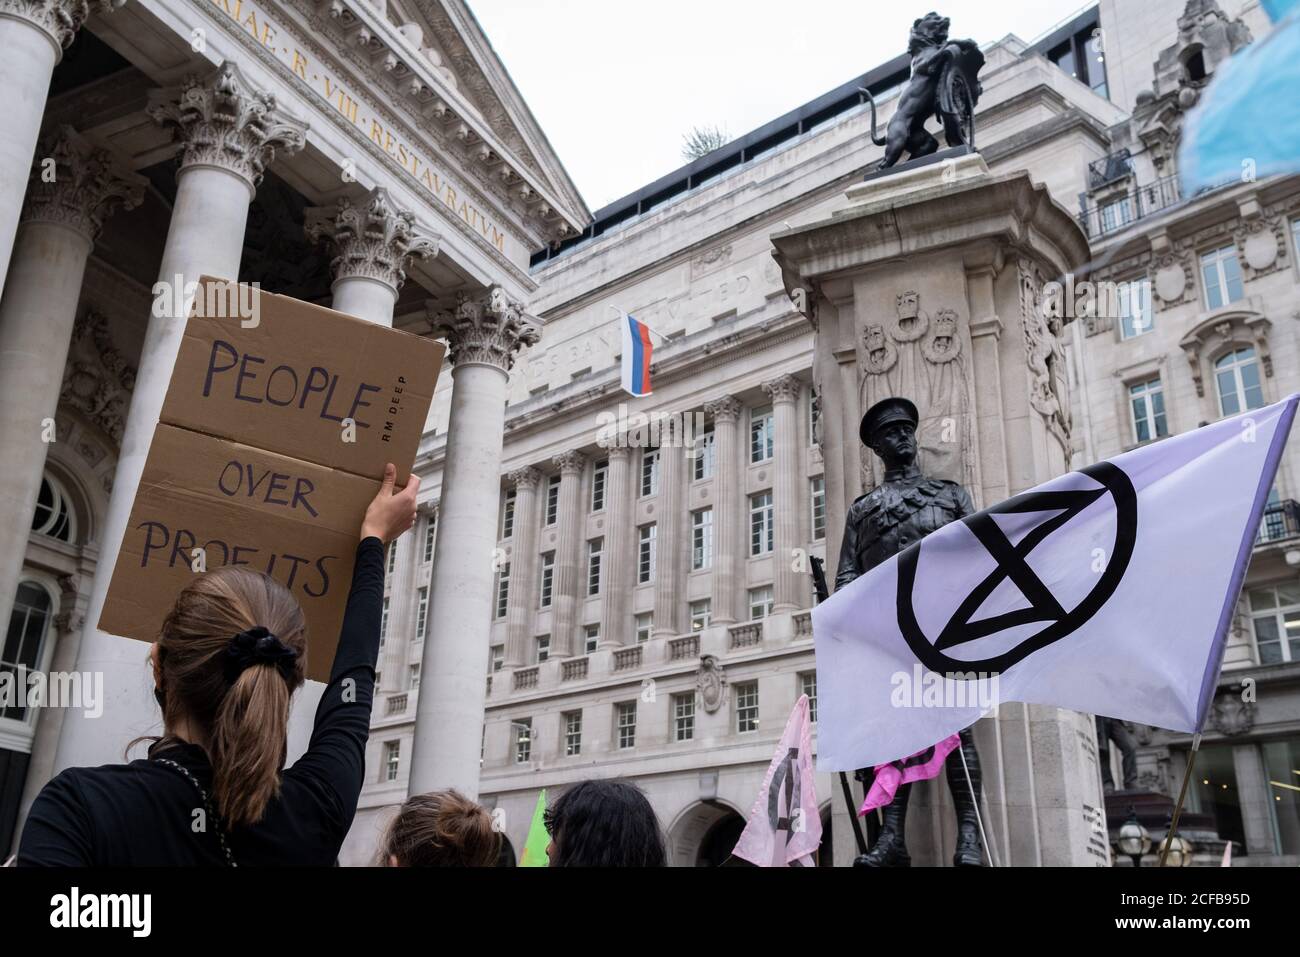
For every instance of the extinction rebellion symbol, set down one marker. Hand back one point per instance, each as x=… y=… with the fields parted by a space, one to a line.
x=1012 y=564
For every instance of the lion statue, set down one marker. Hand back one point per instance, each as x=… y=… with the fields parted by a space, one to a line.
x=943 y=84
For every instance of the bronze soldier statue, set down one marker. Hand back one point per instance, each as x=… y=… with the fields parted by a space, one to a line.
x=896 y=514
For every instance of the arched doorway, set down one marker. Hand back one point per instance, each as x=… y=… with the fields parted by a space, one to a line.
x=704 y=834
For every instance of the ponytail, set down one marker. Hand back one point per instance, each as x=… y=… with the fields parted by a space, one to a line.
x=217 y=674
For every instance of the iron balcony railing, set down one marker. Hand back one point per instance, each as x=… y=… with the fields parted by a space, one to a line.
x=1111 y=167
x=1119 y=211
x=1281 y=521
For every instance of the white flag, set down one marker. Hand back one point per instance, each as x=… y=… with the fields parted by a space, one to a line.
x=1108 y=590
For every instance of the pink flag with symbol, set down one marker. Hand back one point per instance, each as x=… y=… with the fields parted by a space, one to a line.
x=919 y=767
x=784 y=827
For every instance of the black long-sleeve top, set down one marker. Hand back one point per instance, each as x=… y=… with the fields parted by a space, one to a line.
x=143 y=813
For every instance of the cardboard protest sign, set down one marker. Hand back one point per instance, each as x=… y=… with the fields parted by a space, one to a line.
x=271 y=443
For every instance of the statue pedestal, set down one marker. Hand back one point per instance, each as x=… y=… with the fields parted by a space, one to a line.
x=928 y=285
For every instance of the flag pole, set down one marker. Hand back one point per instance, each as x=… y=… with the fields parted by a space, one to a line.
x=975 y=802
x=1182 y=795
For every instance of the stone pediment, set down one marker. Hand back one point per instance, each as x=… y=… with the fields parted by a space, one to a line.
x=438 y=51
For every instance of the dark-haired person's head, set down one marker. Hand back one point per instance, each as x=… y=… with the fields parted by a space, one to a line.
x=441 y=829
x=228 y=659
x=605 y=823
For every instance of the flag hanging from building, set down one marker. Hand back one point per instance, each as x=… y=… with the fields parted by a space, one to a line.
x=785 y=827
x=922 y=766
x=637 y=349
x=1108 y=590
x=534 y=854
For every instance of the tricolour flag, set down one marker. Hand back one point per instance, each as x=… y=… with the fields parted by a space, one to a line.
x=637 y=349
x=784 y=827
x=1108 y=590
x=534 y=854
x=922 y=766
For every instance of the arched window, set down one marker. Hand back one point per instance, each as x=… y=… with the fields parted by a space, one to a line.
x=1236 y=374
x=25 y=640
x=54 y=515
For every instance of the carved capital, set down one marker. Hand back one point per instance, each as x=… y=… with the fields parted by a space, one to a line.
x=77 y=184
x=619 y=452
x=374 y=239
x=570 y=463
x=726 y=408
x=526 y=477
x=488 y=329
x=784 y=388
x=58 y=19
x=223 y=121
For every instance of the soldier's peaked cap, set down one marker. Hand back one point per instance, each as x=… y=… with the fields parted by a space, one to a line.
x=886 y=412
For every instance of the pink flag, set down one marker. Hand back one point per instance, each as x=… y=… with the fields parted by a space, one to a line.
x=919 y=767
x=784 y=826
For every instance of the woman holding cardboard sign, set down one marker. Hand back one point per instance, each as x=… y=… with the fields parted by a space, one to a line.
x=213 y=790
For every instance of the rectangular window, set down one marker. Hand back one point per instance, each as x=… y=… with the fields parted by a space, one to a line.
x=701 y=614
x=760 y=602
x=552 y=499
x=814 y=418
x=626 y=726
x=572 y=733
x=1116 y=214
x=498 y=657
x=1135 y=308
x=645 y=624
x=746 y=707
x=599 y=476
x=706 y=455
x=1236 y=376
x=1275 y=619
x=383 y=625
x=684 y=716
x=594 y=549
x=503 y=590
x=1147 y=400
x=392 y=556
x=548 y=578
x=523 y=739
x=508 y=515
x=1221 y=276
x=761 y=433
x=808 y=686
x=760 y=523
x=392 y=759
x=413 y=677
x=590 y=638
x=430 y=530
x=649 y=472
x=543 y=648
x=645 y=569
x=701 y=539
x=421 y=612
x=818 y=491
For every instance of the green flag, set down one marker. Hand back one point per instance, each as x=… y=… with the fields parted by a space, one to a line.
x=535 y=846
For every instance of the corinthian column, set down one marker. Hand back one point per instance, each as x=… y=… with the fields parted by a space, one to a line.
x=484 y=334
x=65 y=209
x=568 y=580
x=670 y=581
x=787 y=591
x=616 y=624
x=522 y=600
x=729 y=511
x=375 y=241
x=33 y=36
x=228 y=132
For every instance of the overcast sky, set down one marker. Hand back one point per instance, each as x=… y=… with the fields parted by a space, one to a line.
x=616 y=83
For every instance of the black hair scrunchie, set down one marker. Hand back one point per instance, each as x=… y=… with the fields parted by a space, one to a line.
x=258 y=646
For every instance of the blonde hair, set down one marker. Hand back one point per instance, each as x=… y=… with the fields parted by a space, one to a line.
x=245 y=721
x=442 y=829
